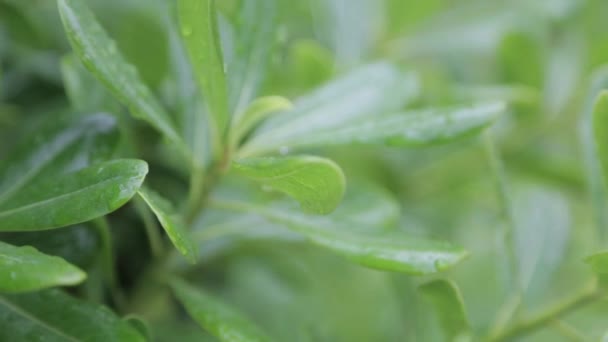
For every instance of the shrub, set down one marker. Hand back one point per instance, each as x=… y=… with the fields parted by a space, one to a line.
x=302 y=170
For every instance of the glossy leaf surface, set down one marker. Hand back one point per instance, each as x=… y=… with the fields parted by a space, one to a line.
x=68 y=145
x=25 y=269
x=198 y=22
x=318 y=184
x=252 y=49
x=171 y=222
x=54 y=316
x=417 y=128
x=371 y=90
x=98 y=52
x=74 y=197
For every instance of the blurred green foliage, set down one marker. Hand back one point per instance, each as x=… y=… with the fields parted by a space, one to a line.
x=525 y=198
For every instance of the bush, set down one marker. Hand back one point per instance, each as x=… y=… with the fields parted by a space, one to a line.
x=257 y=170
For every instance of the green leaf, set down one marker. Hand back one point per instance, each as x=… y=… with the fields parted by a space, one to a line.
x=518 y=68
x=73 y=197
x=542 y=230
x=57 y=148
x=373 y=90
x=392 y=251
x=600 y=130
x=172 y=223
x=257 y=112
x=98 y=52
x=446 y=300
x=418 y=128
x=593 y=165
x=318 y=184
x=78 y=244
x=83 y=90
x=25 y=269
x=598 y=262
x=218 y=318
x=139 y=324
x=368 y=207
x=333 y=22
x=198 y=22
x=253 y=46
x=52 y=315
x=187 y=104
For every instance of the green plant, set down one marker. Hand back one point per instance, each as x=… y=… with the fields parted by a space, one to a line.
x=167 y=173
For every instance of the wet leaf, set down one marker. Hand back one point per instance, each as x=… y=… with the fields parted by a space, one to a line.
x=371 y=90
x=52 y=315
x=58 y=148
x=418 y=128
x=73 y=197
x=198 y=23
x=98 y=52
x=253 y=46
x=24 y=269
x=318 y=184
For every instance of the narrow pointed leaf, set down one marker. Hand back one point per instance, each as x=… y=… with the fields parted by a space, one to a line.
x=78 y=244
x=98 y=52
x=600 y=130
x=598 y=262
x=58 y=148
x=215 y=316
x=392 y=251
x=172 y=223
x=198 y=22
x=365 y=208
x=318 y=184
x=25 y=269
x=543 y=225
x=254 y=40
x=51 y=315
x=593 y=166
x=257 y=112
x=446 y=301
x=83 y=90
x=74 y=197
x=372 y=90
x=416 y=128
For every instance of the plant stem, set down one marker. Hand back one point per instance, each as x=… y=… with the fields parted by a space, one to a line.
x=506 y=312
x=151 y=226
x=568 y=331
x=196 y=191
x=107 y=260
x=588 y=296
